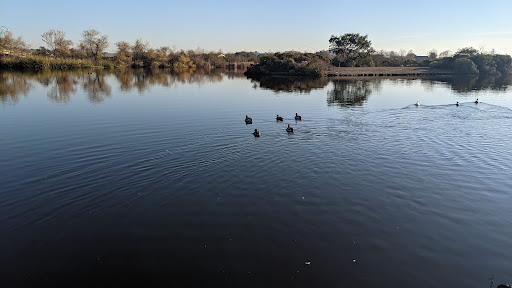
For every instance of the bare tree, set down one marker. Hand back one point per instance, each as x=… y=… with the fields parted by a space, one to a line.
x=93 y=43
x=57 y=42
x=8 y=42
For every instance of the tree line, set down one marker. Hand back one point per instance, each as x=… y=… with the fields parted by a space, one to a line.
x=90 y=51
x=347 y=50
x=355 y=50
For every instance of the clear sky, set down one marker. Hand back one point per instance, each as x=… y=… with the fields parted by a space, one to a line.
x=265 y=26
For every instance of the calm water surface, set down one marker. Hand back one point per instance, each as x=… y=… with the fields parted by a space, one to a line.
x=153 y=179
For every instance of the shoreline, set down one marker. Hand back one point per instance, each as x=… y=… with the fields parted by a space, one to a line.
x=386 y=71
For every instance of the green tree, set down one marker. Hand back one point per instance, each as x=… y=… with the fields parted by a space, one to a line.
x=470 y=51
x=503 y=64
x=465 y=66
x=485 y=64
x=290 y=63
x=352 y=47
x=93 y=43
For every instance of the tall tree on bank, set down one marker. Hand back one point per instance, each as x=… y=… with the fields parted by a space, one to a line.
x=93 y=43
x=351 y=49
x=57 y=42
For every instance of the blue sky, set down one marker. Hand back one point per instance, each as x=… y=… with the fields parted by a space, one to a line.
x=270 y=25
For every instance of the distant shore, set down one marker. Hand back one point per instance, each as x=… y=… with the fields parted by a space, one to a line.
x=385 y=71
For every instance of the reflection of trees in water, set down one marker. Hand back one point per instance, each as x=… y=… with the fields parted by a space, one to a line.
x=468 y=84
x=11 y=86
x=63 y=88
x=289 y=84
x=124 y=79
x=351 y=92
x=96 y=87
x=61 y=85
x=142 y=80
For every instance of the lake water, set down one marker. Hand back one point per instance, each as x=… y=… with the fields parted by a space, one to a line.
x=153 y=179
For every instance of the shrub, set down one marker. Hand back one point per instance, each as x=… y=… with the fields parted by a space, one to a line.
x=290 y=63
x=41 y=63
x=465 y=66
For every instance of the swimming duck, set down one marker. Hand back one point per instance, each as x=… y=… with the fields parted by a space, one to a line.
x=298 y=117
x=417 y=103
x=279 y=118
x=457 y=103
x=256 y=133
x=289 y=129
x=477 y=101
x=248 y=120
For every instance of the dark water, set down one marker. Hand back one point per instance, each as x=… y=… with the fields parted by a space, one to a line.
x=153 y=179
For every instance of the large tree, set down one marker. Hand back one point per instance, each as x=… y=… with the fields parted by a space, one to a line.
x=57 y=42
x=93 y=43
x=351 y=48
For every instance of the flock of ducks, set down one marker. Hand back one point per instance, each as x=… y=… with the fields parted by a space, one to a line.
x=256 y=133
x=456 y=104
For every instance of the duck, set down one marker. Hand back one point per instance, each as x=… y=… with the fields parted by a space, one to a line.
x=417 y=103
x=289 y=129
x=248 y=120
x=457 y=103
x=298 y=117
x=279 y=118
x=477 y=101
x=256 y=133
